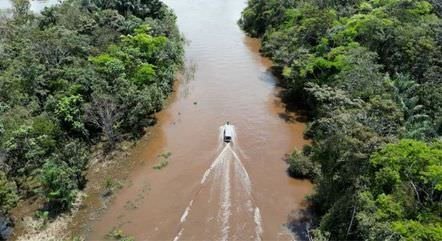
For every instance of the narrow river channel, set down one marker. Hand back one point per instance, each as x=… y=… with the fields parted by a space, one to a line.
x=249 y=196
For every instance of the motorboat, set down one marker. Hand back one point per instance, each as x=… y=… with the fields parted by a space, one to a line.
x=228 y=132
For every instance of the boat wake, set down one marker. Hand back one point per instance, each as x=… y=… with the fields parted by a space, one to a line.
x=223 y=208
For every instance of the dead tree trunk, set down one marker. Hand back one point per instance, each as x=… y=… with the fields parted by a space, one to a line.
x=104 y=113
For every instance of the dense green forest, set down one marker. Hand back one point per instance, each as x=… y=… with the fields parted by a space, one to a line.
x=370 y=72
x=80 y=73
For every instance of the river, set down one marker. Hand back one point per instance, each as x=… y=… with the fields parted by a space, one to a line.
x=245 y=193
x=36 y=5
x=231 y=82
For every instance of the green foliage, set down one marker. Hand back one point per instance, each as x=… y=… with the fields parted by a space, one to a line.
x=110 y=185
x=411 y=161
x=8 y=194
x=58 y=185
x=43 y=216
x=110 y=66
x=163 y=160
x=145 y=74
x=412 y=230
x=262 y=14
x=139 y=8
x=135 y=74
x=403 y=195
x=301 y=166
x=69 y=111
x=370 y=73
x=26 y=144
x=80 y=73
x=119 y=235
x=21 y=9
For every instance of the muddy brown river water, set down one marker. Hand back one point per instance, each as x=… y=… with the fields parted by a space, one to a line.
x=209 y=190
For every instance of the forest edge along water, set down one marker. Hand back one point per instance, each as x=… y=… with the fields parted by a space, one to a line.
x=231 y=82
x=83 y=81
x=248 y=195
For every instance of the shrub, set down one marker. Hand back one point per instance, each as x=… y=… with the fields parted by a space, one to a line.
x=8 y=194
x=301 y=166
x=59 y=185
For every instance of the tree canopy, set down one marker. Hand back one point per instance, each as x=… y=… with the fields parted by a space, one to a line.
x=369 y=72
x=79 y=73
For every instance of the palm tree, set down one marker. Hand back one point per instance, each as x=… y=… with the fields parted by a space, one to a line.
x=418 y=125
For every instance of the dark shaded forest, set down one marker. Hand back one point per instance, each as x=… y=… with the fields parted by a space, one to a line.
x=80 y=73
x=370 y=73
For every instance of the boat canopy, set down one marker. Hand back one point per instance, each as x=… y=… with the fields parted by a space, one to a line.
x=228 y=130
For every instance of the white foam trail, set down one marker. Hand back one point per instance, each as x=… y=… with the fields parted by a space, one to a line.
x=186 y=212
x=179 y=235
x=258 y=222
x=235 y=142
x=226 y=202
x=216 y=174
x=220 y=138
x=222 y=165
x=245 y=179
x=214 y=164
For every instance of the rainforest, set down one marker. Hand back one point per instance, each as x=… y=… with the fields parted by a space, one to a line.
x=369 y=72
x=78 y=74
x=311 y=120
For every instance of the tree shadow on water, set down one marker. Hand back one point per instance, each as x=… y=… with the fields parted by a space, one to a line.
x=294 y=111
x=299 y=222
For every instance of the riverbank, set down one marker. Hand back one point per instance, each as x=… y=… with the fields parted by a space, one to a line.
x=99 y=193
x=374 y=94
x=106 y=175
x=232 y=82
x=72 y=91
x=162 y=195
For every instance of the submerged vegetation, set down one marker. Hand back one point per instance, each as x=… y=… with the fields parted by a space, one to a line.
x=163 y=160
x=370 y=71
x=119 y=235
x=79 y=73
